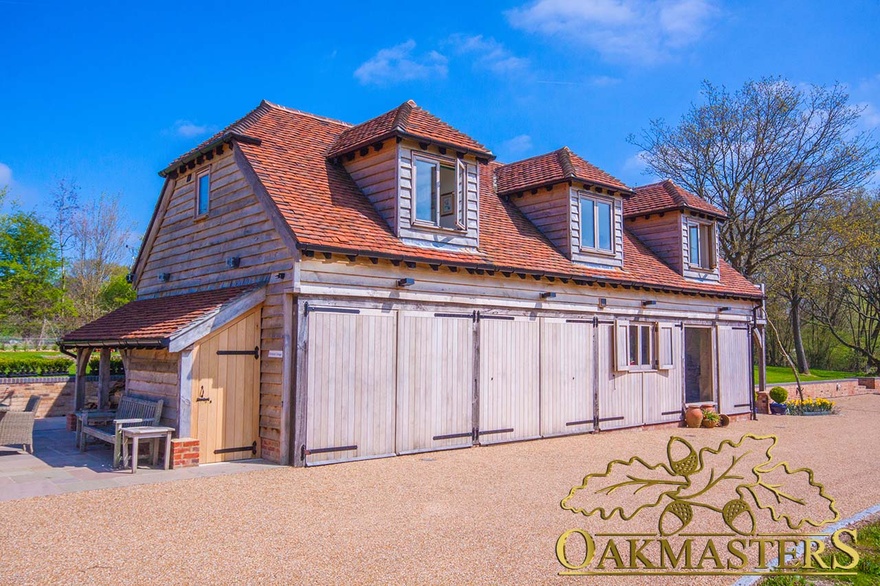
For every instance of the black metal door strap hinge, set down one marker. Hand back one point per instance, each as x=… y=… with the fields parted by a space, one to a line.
x=255 y=352
x=251 y=448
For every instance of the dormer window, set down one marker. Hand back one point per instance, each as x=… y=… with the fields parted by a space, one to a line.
x=701 y=245
x=440 y=192
x=596 y=223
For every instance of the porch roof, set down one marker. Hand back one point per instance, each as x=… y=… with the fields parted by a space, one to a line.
x=150 y=323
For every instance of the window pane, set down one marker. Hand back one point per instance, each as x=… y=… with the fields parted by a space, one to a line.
x=204 y=188
x=694 y=244
x=588 y=219
x=704 y=246
x=425 y=180
x=646 y=345
x=604 y=211
x=634 y=345
x=448 y=203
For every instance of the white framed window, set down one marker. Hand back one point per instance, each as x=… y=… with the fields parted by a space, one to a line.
x=440 y=192
x=203 y=193
x=643 y=345
x=597 y=223
x=701 y=245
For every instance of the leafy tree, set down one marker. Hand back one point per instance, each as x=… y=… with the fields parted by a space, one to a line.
x=769 y=155
x=28 y=272
x=117 y=291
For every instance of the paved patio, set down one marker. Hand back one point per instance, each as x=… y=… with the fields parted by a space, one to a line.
x=57 y=466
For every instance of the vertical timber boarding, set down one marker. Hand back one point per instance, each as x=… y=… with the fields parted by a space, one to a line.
x=225 y=404
x=510 y=404
x=567 y=376
x=734 y=369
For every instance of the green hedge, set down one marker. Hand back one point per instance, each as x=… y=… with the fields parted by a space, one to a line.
x=115 y=365
x=34 y=365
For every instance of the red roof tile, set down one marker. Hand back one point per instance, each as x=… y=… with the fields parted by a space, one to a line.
x=665 y=196
x=150 y=321
x=409 y=120
x=560 y=165
x=328 y=212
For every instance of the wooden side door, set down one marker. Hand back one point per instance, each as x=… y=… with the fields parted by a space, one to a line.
x=567 y=376
x=734 y=366
x=226 y=391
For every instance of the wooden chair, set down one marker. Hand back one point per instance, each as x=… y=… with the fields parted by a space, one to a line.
x=17 y=427
x=108 y=428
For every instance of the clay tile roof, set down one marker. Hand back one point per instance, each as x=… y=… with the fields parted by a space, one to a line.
x=148 y=322
x=560 y=165
x=665 y=196
x=408 y=120
x=327 y=212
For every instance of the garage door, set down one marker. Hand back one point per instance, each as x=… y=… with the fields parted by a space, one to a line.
x=434 y=381
x=351 y=384
x=509 y=378
x=620 y=392
x=734 y=369
x=566 y=376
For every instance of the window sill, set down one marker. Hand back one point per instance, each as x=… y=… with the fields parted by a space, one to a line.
x=422 y=225
x=201 y=217
x=597 y=252
x=700 y=269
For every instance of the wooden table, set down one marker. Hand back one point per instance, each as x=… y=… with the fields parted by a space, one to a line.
x=154 y=434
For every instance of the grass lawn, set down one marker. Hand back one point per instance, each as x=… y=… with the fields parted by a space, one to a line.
x=783 y=374
x=868 y=568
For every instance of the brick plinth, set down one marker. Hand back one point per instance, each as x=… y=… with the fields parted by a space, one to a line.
x=184 y=452
x=270 y=450
x=71 y=422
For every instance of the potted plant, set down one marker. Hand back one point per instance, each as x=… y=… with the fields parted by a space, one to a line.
x=711 y=419
x=778 y=396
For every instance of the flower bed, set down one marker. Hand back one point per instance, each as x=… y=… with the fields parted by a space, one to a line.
x=810 y=407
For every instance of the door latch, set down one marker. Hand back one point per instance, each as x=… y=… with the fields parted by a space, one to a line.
x=202 y=396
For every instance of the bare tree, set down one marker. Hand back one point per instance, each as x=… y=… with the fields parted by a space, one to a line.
x=768 y=155
x=848 y=300
x=101 y=232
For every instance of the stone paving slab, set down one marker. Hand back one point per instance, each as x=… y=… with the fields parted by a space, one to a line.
x=58 y=467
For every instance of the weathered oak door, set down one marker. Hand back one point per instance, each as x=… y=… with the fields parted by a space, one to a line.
x=351 y=384
x=434 y=381
x=226 y=391
x=510 y=402
x=734 y=369
x=566 y=376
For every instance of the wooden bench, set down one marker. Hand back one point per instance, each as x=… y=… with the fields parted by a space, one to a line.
x=108 y=427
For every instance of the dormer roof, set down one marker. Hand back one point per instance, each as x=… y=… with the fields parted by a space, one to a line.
x=406 y=121
x=666 y=196
x=551 y=168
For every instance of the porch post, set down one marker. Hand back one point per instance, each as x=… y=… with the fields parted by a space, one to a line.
x=104 y=379
x=287 y=379
x=79 y=389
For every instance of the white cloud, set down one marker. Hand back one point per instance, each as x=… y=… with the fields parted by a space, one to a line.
x=517 y=145
x=870 y=116
x=604 y=81
x=635 y=31
x=401 y=63
x=488 y=53
x=635 y=170
x=5 y=176
x=187 y=129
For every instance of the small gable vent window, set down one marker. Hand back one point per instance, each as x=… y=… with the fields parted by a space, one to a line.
x=203 y=194
x=596 y=224
x=701 y=245
x=440 y=192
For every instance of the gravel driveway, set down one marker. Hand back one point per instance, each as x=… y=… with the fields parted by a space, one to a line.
x=475 y=516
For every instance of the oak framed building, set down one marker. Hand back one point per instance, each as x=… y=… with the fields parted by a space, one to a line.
x=312 y=291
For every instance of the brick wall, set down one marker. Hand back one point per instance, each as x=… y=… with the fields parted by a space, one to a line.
x=826 y=389
x=184 y=452
x=56 y=392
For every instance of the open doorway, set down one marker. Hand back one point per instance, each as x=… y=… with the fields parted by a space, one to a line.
x=698 y=386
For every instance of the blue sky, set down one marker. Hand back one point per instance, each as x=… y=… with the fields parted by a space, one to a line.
x=109 y=93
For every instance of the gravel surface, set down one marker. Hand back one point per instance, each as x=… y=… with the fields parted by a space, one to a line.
x=475 y=516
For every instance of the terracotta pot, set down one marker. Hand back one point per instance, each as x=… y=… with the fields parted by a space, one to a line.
x=725 y=420
x=709 y=424
x=693 y=416
x=708 y=407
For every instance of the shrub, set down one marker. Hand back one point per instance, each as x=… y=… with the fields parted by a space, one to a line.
x=778 y=394
x=711 y=416
x=115 y=365
x=34 y=366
